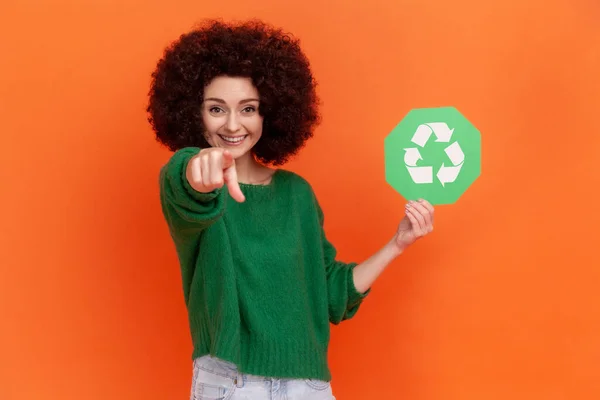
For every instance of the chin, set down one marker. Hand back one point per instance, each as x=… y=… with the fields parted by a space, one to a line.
x=239 y=153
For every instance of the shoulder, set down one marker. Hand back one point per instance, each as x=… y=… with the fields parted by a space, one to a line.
x=300 y=188
x=179 y=157
x=295 y=180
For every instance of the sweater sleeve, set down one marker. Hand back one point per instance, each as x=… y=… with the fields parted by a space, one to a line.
x=185 y=209
x=343 y=297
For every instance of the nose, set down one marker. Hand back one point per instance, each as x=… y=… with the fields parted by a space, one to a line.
x=232 y=124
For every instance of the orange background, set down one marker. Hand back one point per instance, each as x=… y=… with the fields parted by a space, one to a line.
x=500 y=302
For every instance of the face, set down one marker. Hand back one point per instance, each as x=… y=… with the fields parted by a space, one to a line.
x=230 y=115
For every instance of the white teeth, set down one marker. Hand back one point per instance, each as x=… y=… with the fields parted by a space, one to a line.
x=232 y=140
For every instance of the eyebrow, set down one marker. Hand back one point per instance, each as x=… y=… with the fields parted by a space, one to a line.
x=223 y=101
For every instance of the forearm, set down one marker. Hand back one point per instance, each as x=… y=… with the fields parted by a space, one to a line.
x=368 y=271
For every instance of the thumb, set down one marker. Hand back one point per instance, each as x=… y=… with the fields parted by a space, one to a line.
x=231 y=179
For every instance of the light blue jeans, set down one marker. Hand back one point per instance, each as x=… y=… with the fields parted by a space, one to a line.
x=215 y=379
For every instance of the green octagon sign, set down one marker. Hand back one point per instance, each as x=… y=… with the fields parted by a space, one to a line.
x=433 y=153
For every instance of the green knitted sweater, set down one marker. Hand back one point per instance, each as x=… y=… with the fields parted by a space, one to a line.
x=260 y=279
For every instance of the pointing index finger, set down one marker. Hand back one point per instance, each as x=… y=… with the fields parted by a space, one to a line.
x=228 y=160
x=231 y=179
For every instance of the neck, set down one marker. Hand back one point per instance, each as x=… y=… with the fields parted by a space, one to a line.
x=249 y=170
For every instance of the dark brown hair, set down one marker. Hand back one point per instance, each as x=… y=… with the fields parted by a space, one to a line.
x=271 y=58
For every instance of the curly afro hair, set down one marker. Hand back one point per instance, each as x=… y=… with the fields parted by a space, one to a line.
x=271 y=58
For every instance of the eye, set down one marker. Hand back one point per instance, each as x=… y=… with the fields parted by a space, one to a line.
x=215 y=110
x=249 y=109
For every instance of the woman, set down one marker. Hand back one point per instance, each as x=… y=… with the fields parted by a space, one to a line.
x=261 y=281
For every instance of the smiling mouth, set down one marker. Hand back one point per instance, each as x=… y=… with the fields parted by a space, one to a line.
x=233 y=140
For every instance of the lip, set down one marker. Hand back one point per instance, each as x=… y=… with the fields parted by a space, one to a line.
x=226 y=142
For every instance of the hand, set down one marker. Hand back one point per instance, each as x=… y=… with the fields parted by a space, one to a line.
x=210 y=169
x=417 y=223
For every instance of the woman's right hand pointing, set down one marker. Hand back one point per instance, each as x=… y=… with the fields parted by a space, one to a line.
x=210 y=169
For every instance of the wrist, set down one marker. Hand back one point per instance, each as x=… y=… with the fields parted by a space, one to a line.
x=394 y=248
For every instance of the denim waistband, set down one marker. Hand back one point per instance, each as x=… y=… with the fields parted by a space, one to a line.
x=227 y=369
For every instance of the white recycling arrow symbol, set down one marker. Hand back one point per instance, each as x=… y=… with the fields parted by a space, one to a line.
x=424 y=174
